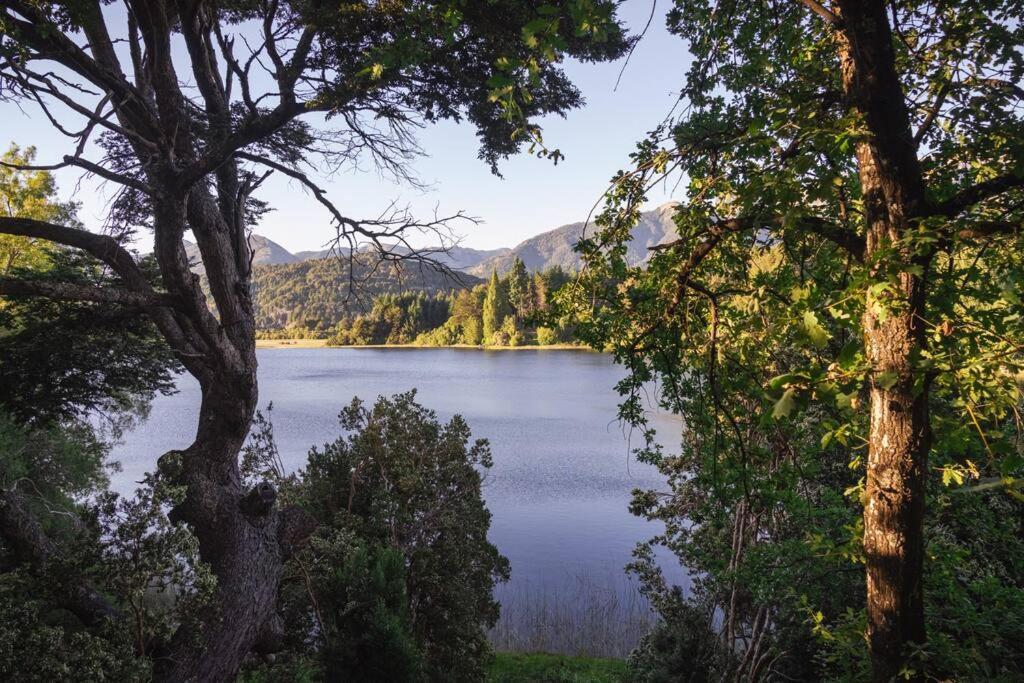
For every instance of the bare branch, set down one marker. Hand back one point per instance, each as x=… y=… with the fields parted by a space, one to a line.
x=102 y=247
x=825 y=13
x=250 y=131
x=76 y=291
x=43 y=36
x=975 y=194
x=850 y=241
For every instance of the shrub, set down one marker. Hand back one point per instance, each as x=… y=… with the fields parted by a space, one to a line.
x=472 y=331
x=397 y=582
x=546 y=336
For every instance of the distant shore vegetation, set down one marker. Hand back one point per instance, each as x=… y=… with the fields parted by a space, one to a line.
x=507 y=311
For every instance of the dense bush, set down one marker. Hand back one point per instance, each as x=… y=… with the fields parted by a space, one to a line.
x=396 y=584
x=546 y=336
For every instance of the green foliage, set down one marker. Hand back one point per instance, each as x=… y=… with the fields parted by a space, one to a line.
x=400 y=572
x=513 y=667
x=496 y=307
x=126 y=550
x=521 y=293
x=472 y=331
x=496 y=64
x=681 y=647
x=753 y=333
x=40 y=644
x=72 y=375
x=458 y=318
x=363 y=602
x=508 y=334
x=310 y=298
x=546 y=336
x=28 y=194
x=67 y=360
x=394 y=319
x=64 y=462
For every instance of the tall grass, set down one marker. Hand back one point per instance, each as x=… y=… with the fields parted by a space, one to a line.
x=589 y=617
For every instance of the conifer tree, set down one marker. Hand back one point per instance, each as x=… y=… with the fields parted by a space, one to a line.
x=495 y=306
x=519 y=294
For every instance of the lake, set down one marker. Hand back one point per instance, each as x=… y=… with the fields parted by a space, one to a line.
x=562 y=471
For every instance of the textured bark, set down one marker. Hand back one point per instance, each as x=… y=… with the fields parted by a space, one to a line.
x=893 y=191
x=192 y=188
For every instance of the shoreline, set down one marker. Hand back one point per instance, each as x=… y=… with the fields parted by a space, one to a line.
x=322 y=344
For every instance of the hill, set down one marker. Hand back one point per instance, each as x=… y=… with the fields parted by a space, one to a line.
x=265 y=252
x=457 y=258
x=318 y=293
x=555 y=247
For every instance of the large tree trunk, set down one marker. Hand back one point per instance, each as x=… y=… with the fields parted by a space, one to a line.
x=243 y=537
x=898 y=440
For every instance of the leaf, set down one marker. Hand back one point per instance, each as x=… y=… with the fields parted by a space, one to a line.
x=784 y=406
x=950 y=475
x=815 y=332
x=886 y=379
x=781 y=381
x=848 y=356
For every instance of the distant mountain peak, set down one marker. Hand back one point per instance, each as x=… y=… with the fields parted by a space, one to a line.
x=265 y=252
x=556 y=247
x=551 y=248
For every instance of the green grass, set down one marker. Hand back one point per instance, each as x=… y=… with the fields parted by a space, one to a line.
x=515 y=667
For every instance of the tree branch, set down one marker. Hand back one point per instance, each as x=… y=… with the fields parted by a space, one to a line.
x=825 y=13
x=102 y=247
x=970 y=196
x=76 y=291
x=981 y=229
x=43 y=36
x=251 y=130
x=853 y=243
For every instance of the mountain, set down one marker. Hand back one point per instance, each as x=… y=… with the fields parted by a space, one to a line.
x=265 y=252
x=310 y=289
x=457 y=258
x=555 y=247
x=318 y=293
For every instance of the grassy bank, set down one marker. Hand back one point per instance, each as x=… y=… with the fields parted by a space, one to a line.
x=516 y=667
x=322 y=343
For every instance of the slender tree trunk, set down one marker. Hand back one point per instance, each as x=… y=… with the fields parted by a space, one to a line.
x=899 y=435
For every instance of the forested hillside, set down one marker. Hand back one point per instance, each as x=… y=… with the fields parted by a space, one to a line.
x=515 y=310
x=315 y=295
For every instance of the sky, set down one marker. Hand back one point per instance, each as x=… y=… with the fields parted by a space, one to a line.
x=533 y=195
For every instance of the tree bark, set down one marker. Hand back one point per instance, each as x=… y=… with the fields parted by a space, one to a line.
x=899 y=435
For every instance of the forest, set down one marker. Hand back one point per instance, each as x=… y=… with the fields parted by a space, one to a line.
x=312 y=297
x=837 y=329
x=515 y=310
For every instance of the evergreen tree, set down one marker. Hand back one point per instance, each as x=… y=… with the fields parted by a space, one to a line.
x=539 y=290
x=519 y=294
x=495 y=306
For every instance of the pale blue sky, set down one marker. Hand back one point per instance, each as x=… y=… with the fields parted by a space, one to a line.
x=533 y=196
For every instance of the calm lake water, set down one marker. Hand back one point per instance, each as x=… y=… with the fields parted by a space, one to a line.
x=562 y=471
